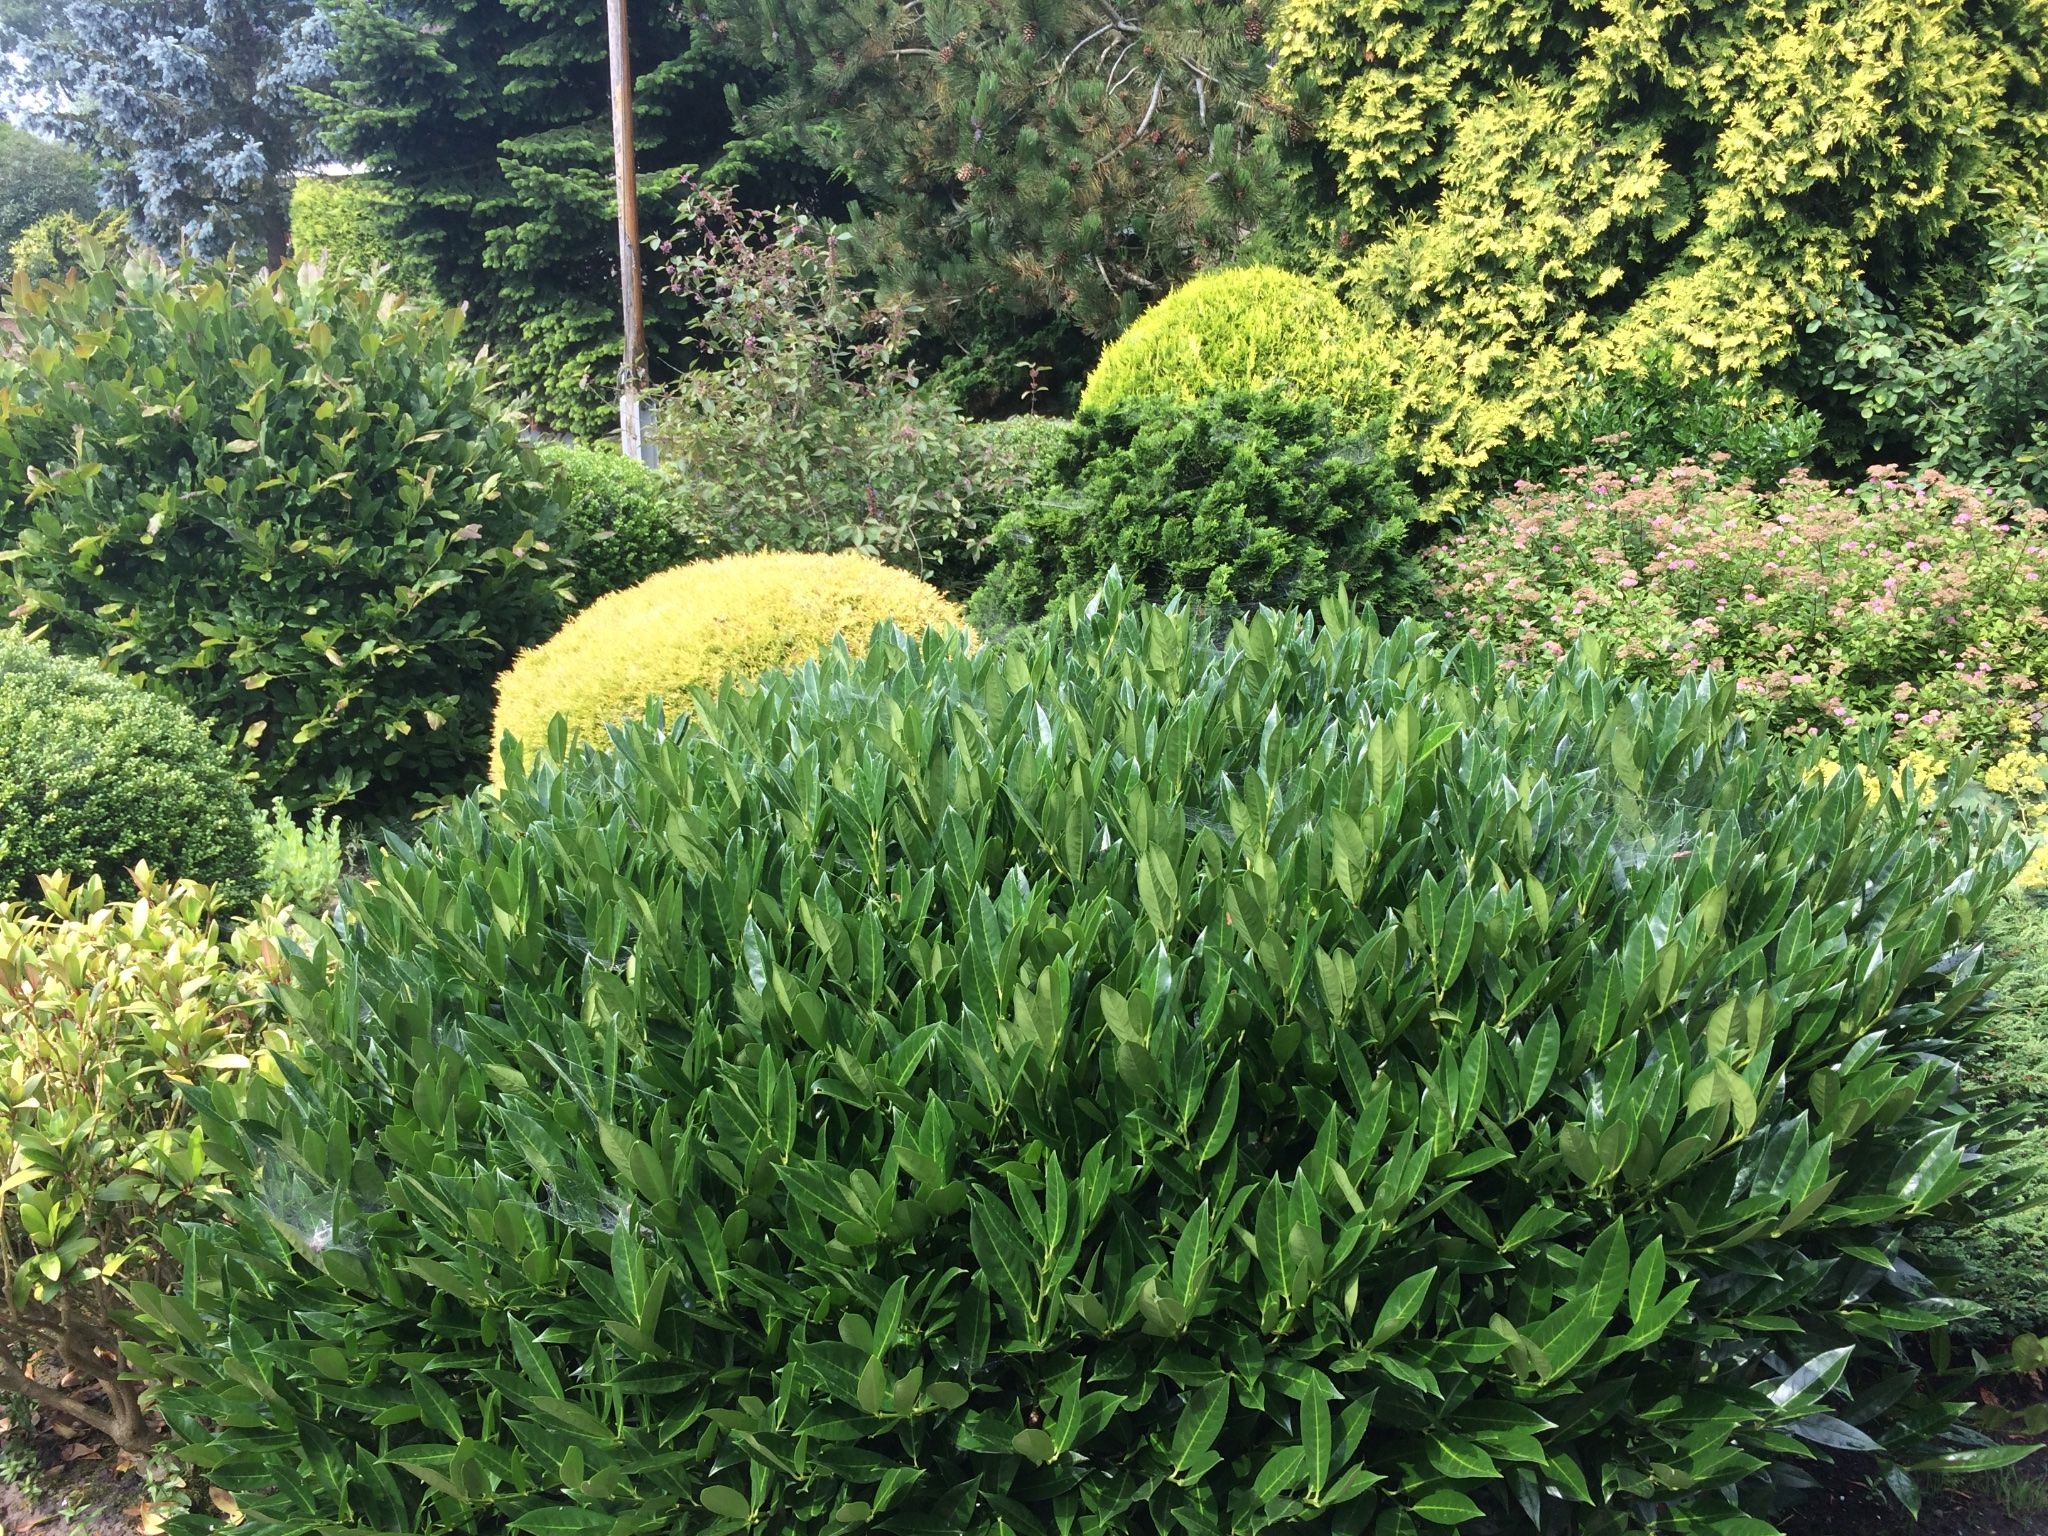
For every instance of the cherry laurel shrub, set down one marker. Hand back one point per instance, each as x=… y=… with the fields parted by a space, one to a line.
x=291 y=499
x=1115 y=1083
x=1906 y=601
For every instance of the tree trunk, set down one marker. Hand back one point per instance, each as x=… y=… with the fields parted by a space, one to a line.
x=277 y=229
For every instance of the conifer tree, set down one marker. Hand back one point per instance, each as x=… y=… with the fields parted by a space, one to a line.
x=1520 y=189
x=1026 y=158
x=194 y=111
x=490 y=120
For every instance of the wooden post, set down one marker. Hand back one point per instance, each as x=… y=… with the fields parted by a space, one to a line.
x=633 y=370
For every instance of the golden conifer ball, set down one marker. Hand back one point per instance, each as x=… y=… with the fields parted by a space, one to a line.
x=696 y=624
x=1251 y=327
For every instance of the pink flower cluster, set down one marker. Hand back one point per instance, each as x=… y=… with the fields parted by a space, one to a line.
x=1907 y=601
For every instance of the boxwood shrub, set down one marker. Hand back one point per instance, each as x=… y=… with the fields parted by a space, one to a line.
x=97 y=775
x=621 y=521
x=1116 y=1084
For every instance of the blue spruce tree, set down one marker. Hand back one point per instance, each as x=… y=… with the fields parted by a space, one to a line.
x=194 y=110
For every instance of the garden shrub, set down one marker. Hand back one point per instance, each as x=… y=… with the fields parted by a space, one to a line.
x=96 y=775
x=292 y=499
x=114 y=1008
x=1510 y=192
x=693 y=626
x=1906 y=602
x=808 y=428
x=1243 y=328
x=1649 y=417
x=2002 y=1262
x=39 y=178
x=1968 y=397
x=1240 y=498
x=353 y=221
x=58 y=242
x=621 y=521
x=301 y=864
x=1111 y=1083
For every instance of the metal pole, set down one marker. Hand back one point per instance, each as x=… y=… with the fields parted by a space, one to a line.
x=633 y=370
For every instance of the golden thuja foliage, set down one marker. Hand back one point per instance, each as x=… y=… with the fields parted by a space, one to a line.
x=1243 y=328
x=697 y=624
x=1528 y=187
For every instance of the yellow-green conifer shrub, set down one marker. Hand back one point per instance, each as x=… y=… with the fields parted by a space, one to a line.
x=1526 y=188
x=1243 y=328
x=694 y=625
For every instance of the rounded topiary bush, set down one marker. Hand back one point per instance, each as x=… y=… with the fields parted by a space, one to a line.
x=693 y=626
x=1112 y=1083
x=295 y=500
x=621 y=521
x=96 y=775
x=1243 y=328
x=1241 y=498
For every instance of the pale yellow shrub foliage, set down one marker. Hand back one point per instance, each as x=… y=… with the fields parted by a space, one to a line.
x=694 y=625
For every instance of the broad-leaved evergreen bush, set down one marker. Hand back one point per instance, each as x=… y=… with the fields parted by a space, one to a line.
x=1243 y=328
x=114 y=1007
x=294 y=500
x=621 y=521
x=1905 y=601
x=1111 y=1083
x=692 y=627
x=97 y=774
x=1241 y=498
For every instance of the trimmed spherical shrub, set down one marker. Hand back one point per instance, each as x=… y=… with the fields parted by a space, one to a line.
x=1239 y=498
x=621 y=521
x=96 y=775
x=1243 y=328
x=691 y=627
x=295 y=501
x=1115 y=1083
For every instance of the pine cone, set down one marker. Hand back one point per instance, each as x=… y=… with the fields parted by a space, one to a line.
x=946 y=54
x=1030 y=31
x=1254 y=26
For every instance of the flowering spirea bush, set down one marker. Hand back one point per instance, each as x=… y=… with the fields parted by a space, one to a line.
x=1907 y=602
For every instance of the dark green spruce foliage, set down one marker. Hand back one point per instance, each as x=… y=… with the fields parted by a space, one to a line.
x=298 y=503
x=621 y=521
x=96 y=775
x=490 y=122
x=1120 y=1084
x=1242 y=498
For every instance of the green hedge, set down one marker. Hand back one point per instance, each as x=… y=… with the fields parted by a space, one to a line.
x=352 y=221
x=1114 y=1083
x=621 y=522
